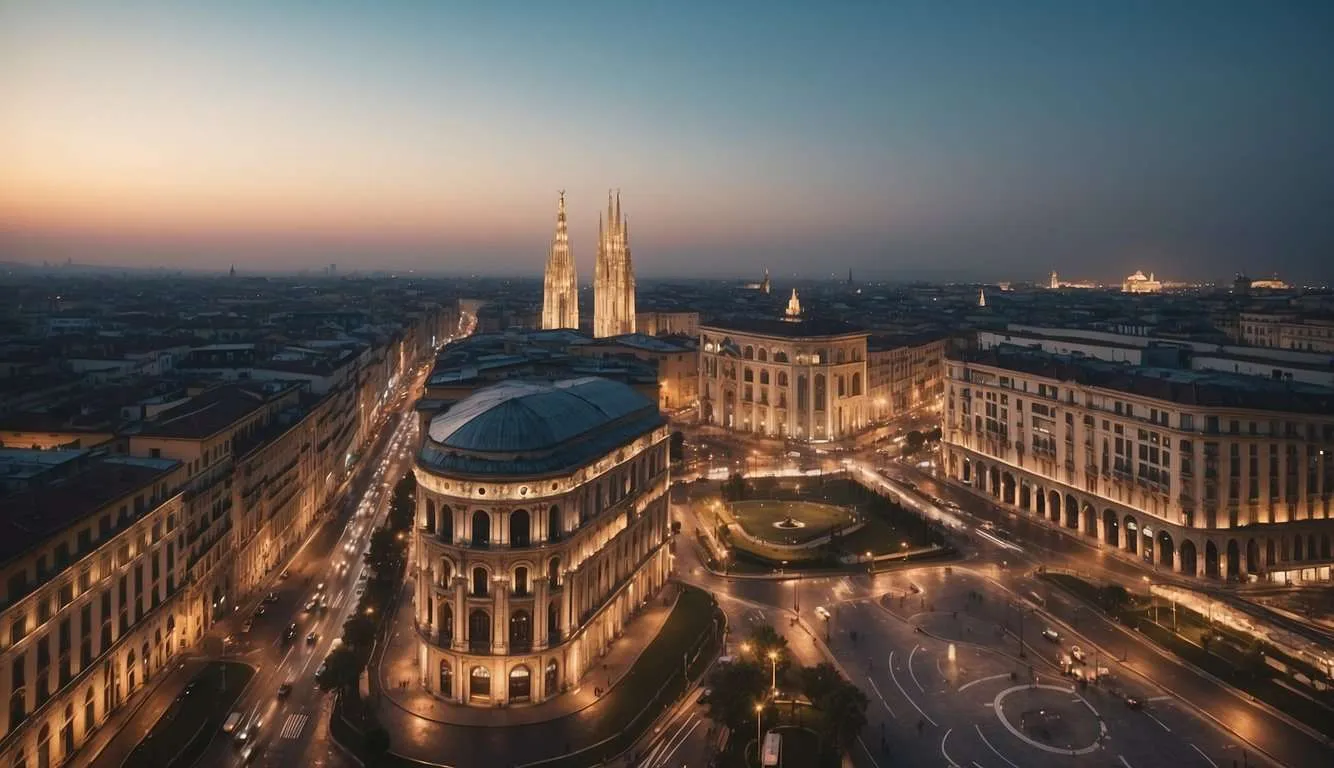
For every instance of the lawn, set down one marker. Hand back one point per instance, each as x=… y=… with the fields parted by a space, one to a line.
x=759 y=517
x=184 y=731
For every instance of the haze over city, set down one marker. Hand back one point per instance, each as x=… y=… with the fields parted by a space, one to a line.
x=900 y=140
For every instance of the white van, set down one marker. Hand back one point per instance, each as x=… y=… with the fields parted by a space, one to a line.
x=233 y=720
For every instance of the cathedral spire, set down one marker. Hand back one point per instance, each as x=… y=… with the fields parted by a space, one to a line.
x=560 y=288
x=614 y=281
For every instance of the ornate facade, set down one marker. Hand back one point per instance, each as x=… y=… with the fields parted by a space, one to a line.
x=560 y=290
x=613 y=275
x=1212 y=475
x=542 y=526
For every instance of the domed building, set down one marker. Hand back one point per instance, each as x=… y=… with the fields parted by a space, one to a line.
x=542 y=526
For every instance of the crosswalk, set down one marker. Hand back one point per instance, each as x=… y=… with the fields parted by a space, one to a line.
x=293 y=725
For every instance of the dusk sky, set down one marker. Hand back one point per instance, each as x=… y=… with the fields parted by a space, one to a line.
x=978 y=140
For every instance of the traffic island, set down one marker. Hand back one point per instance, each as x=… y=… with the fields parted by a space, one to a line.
x=686 y=644
x=184 y=731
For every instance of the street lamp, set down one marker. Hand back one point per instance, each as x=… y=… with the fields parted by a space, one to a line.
x=773 y=671
x=759 y=738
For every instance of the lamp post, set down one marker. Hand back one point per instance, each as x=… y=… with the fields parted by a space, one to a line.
x=773 y=672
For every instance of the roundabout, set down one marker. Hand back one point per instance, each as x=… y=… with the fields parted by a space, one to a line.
x=1050 y=718
x=789 y=522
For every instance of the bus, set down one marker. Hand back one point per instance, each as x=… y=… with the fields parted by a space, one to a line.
x=773 y=750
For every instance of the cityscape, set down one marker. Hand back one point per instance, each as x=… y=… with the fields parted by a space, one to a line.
x=336 y=435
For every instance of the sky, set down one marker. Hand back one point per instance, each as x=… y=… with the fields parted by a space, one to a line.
x=986 y=140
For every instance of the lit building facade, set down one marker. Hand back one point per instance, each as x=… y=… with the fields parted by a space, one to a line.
x=1287 y=330
x=94 y=577
x=613 y=275
x=542 y=527
x=560 y=284
x=905 y=373
x=1210 y=475
x=1138 y=283
x=799 y=379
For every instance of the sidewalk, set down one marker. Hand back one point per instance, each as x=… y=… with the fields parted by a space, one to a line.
x=399 y=663
x=116 y=738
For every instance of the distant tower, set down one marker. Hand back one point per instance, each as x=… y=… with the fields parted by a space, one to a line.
x=981 y=297
x=765 y=286
x=560 y=291
x=613 y=275
x=793 y=307
x=232 y=272
x=1055 y=281
x=849 y=276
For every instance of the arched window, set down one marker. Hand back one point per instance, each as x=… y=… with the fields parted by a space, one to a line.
x=479 y=683
x=553 y=622
x=841 y=392
x=856 y=384
x=521 y=684
x=44 y=746
x=747 y=375
x=520 y=528
x=521 y=581
x=554 y=524
x=445 y=526
x=782 y=378
x=446 y=572
x=430 y=516
x=446 y=623
x=762 y=354
x=749 y=352
x=67 y=733
x=481 y=529
x=521 y=631
x=479 y=582
x=20 y=759
x=553 y=573
x=780 y=357
x=764 y=377
x=552 y=679
x=129 y=672
x=479 y=631
x=89 y=710
x=18 y=708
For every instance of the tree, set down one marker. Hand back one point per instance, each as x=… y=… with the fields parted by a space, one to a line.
x=842 y=715
x=915 y=442
x=340 y=669
x=734 y=689
x=1114 y=597
x=764 y=639
x=384 y=552
x=376 y=744
x=676 y=446
x=403 y=504
x=819 y=681
x=359 y=631
x=934 y=435
x=734 y=487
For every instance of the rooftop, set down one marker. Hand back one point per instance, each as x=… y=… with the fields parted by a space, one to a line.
x=525 y=428
x=788 y=329
x=212 y=411
x=1187 y=387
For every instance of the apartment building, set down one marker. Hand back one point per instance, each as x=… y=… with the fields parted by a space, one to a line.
x=1209 y=474
x=1287 y=330
x=93 y=568
x=675 y=359
x=794 y=378
x=905 y=373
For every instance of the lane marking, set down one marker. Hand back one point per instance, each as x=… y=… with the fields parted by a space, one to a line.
x=897 y=684
x=1159 y=698
x=867 y=750
x=916 y=682
x=993 y=749
x=972 y=683
x=881 y=696
x=694 y=723
x=942 y=748
x=1159 y=722
x=1206 y=757
x=1122 y=758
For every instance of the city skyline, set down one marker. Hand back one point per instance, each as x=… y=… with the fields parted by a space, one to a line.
x=978 y=143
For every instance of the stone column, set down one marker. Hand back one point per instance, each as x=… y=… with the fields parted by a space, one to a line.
x=566 y=610
x=540 y=613
x=500 y=625
x=460 y=611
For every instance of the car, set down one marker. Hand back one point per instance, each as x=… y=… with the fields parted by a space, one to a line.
x=271 y=597
x=248 y=754
x=1051 y=635
x=285 y=689
x=248 y=733
x=324 y=602
x=312 y=638
x=233 y=720
x=312 y=604
x=290 y=633
x=1133 y=702
x=324 y=665
x=359 y=589
x=247 y=625
x=1077 y=654
x=261 y=610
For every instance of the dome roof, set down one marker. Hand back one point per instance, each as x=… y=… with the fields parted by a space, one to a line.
x=520 y=417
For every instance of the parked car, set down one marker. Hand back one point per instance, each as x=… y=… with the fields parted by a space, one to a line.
x=1051 y=635
x=290 y=633
x=312 y=638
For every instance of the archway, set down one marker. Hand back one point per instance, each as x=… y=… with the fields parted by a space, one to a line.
x=521 y=684
x=1188 y=565
x=1132 y=534
x=1071 y=512
x=1090 y=517
x=521 y=631
x=1233 y=560
x=1296 y=548
x=430 y=516
x=551 y=681
x=1252 y=556
x=520 y=528
x=1054 y=507
x=521 y=581
x=1210 y=560
x=993 y=475
x=479 y=631
x=445 y=525
x=479 y=683
x=1269 y=553
x=1111 y=529
x=479 y=582
x=553 y=572
x=1042 y=502
x=446 y=679
x=129 y=672
x=44 y=746
x=1007 y=488
x=481 y=529
x=1166 y=550
x=967 y=471
x=1025 y=497
x=446 y=623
